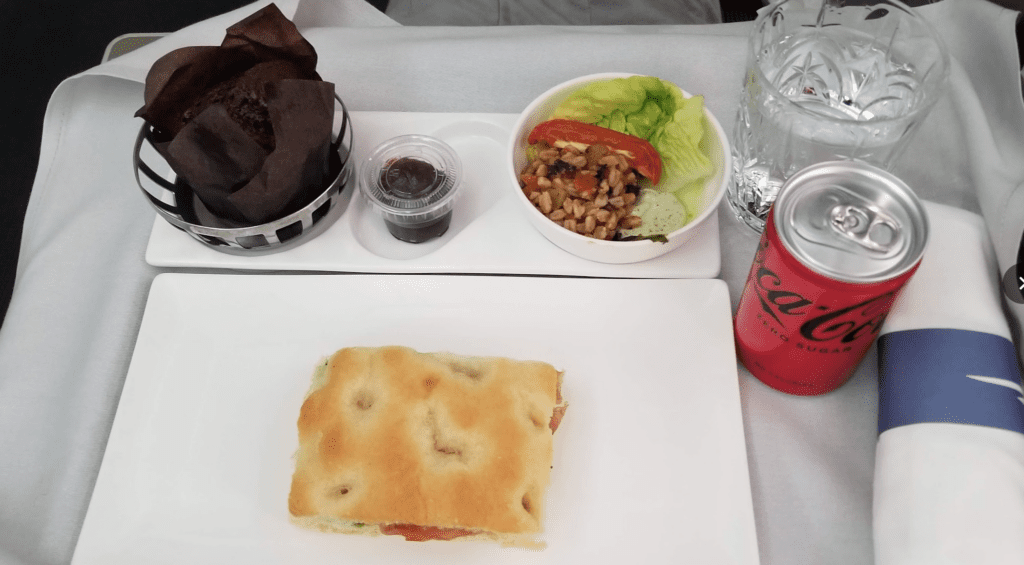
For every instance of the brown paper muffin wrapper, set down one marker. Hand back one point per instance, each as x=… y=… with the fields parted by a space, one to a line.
x=246 y=124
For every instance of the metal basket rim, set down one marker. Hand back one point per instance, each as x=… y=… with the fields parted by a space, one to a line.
x=337 y=184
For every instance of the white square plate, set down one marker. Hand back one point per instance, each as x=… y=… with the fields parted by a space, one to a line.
x=650 y=461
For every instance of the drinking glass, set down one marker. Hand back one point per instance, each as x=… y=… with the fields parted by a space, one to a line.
x=825 y=81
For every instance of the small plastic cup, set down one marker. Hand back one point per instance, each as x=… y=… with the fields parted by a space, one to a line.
x=412 y=181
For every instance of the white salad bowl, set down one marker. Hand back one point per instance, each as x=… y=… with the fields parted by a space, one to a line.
x=598 y=250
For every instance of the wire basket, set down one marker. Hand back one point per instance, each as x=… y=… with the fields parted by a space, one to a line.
x=176 y=202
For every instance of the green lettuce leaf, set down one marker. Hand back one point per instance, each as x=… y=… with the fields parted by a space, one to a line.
x=678 y=141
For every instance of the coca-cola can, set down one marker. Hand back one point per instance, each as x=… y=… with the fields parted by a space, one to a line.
x=841 y=240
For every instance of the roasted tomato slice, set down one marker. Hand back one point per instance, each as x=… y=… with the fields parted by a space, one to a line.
x=412 y=532
x=641 y=154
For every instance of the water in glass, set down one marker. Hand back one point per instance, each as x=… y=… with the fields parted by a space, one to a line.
x=817 y=93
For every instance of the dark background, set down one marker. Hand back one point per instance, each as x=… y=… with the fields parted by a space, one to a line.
x=42 y=42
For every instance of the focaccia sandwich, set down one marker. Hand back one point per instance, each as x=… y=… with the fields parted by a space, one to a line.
x=426 y=445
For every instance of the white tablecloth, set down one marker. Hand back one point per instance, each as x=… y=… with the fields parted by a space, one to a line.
x=82 y=280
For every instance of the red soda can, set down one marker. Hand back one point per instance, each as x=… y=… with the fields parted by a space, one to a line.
x=840 y=241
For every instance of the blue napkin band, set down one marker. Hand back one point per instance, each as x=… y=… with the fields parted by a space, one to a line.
x=953 y=376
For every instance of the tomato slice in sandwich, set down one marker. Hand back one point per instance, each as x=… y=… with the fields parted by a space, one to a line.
x=641 y=154
x=412 y=532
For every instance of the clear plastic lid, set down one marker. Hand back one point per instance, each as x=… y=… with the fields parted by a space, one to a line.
x=411 y=179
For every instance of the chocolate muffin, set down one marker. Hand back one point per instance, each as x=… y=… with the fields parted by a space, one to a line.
x=245 y=98
x=247 y=125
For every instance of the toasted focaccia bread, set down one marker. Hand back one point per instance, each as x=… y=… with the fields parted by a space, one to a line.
x=426 y=445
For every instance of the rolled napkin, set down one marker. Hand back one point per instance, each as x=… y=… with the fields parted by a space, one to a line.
x=949 y=464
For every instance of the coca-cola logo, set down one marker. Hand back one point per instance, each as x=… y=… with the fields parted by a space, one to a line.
x=824 y=324
x=775 y=300
x=850 y=323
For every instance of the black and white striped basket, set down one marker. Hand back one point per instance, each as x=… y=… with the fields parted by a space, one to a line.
x=175 y=201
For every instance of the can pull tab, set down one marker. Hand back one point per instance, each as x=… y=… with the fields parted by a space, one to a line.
x=869 y=228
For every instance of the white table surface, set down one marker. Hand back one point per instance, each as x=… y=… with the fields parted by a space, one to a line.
x=82 y=279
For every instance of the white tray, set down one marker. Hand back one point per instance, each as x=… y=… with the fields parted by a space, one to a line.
x=488 y=235
x=650 y=461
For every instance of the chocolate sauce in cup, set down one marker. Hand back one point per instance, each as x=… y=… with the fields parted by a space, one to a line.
x=412 y=182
